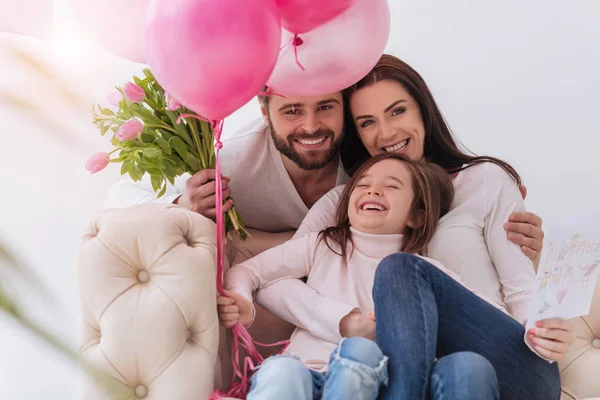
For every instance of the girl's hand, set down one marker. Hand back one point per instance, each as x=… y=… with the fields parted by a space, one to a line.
x=358 y=324
x=552 y=338
x=234 y=308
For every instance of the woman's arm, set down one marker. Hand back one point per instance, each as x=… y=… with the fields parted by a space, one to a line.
x=515 y=270
x=322 y=213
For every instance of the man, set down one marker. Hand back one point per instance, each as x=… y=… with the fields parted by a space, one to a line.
x=275 y=169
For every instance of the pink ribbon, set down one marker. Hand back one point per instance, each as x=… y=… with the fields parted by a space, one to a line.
x=271 y=92
x=297 y=42
x=241 y=376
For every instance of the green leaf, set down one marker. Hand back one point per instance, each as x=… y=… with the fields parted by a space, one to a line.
x=147 y=137
x=136 y=173
x=169 y=173
x=154 y=171
x=173 y=159
x=145 y=114
x=107 y=112
x=180 y=147
x=151 y=152
x=137 y=81
x=194 y=163
x=180 y=128
x=123 y=155
x=147 y=163
x=164 y=145
x=165 y=134
x=162 y=191
x=156 y=182
x=125 y=166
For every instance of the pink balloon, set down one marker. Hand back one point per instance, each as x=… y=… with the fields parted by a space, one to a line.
x=213 y=56
x=335 y=55
x=301 y=16
x=116 y=25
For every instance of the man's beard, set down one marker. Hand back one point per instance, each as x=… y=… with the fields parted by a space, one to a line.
x=314 y=159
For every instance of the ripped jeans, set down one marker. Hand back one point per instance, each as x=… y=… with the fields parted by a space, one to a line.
x=357 y=369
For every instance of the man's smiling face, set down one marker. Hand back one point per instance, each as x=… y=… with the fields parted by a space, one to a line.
x=307 y=130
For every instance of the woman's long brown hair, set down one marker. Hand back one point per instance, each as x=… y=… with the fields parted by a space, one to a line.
x=433 y=194
x=440 y=146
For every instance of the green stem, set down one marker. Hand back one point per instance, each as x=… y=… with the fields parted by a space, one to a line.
x=151 y=102
x=233 y=219
x=192 y=124
x=209 y=137
x=179 y=127
x=167 y=127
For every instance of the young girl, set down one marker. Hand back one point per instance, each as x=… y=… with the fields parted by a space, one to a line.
x=391 y=204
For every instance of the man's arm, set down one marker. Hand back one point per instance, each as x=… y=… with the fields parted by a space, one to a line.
x=126 y=192
x=196 y=193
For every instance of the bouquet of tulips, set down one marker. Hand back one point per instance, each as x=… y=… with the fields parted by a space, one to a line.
x=153 y=134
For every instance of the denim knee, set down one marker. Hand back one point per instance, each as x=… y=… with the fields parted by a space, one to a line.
x=470 y=363
x=361 y=350
x=282 y=372
x=362 y=354
x=283 y=367
x=466 y=371
x=395 y=264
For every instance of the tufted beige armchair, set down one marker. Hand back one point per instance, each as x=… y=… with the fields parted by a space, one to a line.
x=147 y=285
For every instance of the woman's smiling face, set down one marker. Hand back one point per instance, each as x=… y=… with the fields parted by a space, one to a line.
x=388 y=118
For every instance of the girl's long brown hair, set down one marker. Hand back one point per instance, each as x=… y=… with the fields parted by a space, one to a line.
x=440 y=146
x=433 y=194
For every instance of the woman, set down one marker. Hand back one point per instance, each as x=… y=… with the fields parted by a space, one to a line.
x=392 y=109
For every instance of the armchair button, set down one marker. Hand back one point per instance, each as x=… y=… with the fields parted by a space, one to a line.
x=596 y=343
x=141 y=391
x=143 y=276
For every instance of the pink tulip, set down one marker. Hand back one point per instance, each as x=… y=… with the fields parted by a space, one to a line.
x=97 y=162
x=130 y=130
x=172 y=104
x=114 y=98
x=133 y=92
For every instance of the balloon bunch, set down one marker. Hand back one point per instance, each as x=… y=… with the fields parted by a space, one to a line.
x=214 y=55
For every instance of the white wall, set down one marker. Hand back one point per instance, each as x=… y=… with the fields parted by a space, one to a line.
x=516 y=79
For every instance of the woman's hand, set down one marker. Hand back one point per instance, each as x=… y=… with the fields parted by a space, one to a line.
x=552 y=338
x=234 y=308
x=525 y=230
